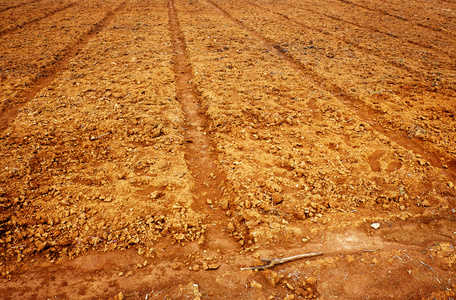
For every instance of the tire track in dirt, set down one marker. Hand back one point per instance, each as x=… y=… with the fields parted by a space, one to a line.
x=371 y=28
x=18 y=5
x=59 y=65
x=355 y=44
x=433 y=156
x=46 y=15
x=202 y=161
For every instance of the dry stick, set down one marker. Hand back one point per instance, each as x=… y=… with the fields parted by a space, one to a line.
x=426 y=266
x=277 y=261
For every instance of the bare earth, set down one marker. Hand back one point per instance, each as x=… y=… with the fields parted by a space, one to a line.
x=150 y=149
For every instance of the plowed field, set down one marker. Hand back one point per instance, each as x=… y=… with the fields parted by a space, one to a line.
x=154 y=149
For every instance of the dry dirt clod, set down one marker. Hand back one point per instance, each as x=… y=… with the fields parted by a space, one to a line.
x=255 y=284
x=311 y=281
x=277 y=198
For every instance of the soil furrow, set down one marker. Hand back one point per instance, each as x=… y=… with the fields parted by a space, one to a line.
x=386 y=13
x=200 y=153
x=357 y=73
x=18 y=5
x=372 y=28
x=58 y=66
x=397 y=46
x=434 y=157
x=27 y=23
x=351 y=42
x=429 y=43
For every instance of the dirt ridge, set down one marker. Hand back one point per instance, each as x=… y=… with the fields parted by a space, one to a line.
x=19 y=5
x=384 y=12
x=354 y=44
x=359 y=108
x=200 y=153
x=46 y=15
x=58 y=66
x=382 y=32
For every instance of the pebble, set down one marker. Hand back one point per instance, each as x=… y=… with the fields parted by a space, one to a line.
x=375 y=225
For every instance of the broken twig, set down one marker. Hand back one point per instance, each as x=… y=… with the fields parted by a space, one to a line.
x=426 y=266
x=277 y=261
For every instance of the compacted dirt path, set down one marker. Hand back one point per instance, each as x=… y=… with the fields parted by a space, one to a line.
x=153 y=149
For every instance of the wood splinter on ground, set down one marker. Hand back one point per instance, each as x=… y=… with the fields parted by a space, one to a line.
x=277 y=261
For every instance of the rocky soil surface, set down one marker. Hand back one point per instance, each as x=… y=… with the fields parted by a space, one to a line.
x=153 y=149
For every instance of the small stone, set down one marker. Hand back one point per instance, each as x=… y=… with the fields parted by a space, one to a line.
x=208 y=201
x=120 y=296
x=450 y=185
x=375 y=225
x=426 y=203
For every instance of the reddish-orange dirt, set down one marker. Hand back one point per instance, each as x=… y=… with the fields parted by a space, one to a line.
x=155 y=149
